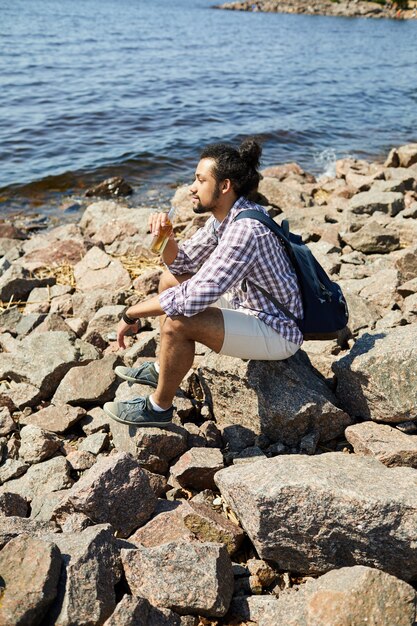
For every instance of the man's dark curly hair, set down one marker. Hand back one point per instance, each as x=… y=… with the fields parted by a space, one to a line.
x=239 y=165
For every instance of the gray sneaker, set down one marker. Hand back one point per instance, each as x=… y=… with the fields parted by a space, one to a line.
x=138 y=412
x=145 y=374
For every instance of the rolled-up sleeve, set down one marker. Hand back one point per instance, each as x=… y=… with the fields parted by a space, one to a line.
x=227 y=265
x=193 y=252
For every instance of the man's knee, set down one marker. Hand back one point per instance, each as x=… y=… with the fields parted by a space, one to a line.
x=167 y=280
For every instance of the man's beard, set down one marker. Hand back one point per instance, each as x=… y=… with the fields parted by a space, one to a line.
x=207 y=208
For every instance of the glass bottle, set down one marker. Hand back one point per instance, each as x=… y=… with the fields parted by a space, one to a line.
x=159 y=242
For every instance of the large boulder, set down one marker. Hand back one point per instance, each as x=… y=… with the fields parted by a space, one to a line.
x=116 y=490
x=284 y=400
x=311 y=514
x=60 y=352
x=30 y=570
x=187 y=577
x=98 y=270
x=17 y=282
x=94 y=383
x=104 y=213
x=90 y=569
x=41 y=479
x=377 y=379
x=350 y=596
x=388 y=445
x=389 y=202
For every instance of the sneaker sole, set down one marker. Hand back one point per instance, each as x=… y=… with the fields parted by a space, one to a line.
x=139 y=425
x=140 y=381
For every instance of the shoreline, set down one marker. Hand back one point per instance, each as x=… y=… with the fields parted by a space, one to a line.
x=334 y=426
x=329 y=8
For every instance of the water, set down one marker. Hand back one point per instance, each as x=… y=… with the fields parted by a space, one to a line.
x=95 y=88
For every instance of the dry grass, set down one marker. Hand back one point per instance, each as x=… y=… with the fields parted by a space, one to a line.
x=64 y=275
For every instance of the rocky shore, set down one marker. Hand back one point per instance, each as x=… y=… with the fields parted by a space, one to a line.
x=284 y=493
x=337 y=8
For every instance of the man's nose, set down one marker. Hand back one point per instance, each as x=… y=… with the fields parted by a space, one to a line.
x=192 y=188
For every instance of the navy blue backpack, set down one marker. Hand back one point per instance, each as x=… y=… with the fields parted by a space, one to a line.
x=325 y=308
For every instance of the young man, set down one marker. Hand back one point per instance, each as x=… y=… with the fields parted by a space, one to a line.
x=208 y=293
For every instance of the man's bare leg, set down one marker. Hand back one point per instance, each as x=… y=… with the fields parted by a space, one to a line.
x=176 y=355
x=166 y=281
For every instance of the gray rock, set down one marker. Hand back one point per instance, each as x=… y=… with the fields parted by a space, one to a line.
x=284 y=400
x=249 y=455
x=387 y=444
x=196 y=468
x=96 y=382
x=347 y=596
x=55 y=418
x=17 y=282
x=7 y=424
x=377 y=379
x=37 y=445
x=28 y=323
x=94 y=443
x=188 y=521
x=30 y=570
x=9 y=319
x=371 y=201
x=81 y=460
x=407 y=155
x=12 y=526
x=101 y=213
x=60 y=352
x=13 y=505
x=162 y=575
x=41 y=479
x=311 y=514
x=105 y=320
x=133 y=611
x=407 y=264
x=95 y=421
x=116 y=490
x=90 y=570
x=20 y=395
x=153 y=448
x=97 y=270
x=12 y=468
x=372 y=239
x=144 y=346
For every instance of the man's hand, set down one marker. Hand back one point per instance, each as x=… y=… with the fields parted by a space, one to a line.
x=158 y=222
x=122 y=329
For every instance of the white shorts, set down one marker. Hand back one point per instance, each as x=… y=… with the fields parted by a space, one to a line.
x=248 y=337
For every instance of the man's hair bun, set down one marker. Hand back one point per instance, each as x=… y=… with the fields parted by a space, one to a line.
x=250 y=151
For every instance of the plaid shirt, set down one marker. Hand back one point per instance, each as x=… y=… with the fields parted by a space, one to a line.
x=222 y=258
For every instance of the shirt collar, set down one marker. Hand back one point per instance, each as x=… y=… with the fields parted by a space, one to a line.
x=240 y=204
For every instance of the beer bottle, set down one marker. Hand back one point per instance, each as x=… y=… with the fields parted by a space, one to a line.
x=159 y=242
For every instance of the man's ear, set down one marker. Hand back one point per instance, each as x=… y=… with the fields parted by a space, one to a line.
x=226 y=185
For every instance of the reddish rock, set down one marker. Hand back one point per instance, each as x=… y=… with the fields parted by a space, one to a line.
x=162 y=575
x=55 y=418
x=97 y=270
x=115 y=490
x=13 y=505
x=30 y=571
x=387 y=444
x=94 y=382
x=36 y=444
x=7 y=424
x=196 y=468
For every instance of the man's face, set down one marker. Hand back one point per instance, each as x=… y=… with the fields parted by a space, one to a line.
x=205 y=189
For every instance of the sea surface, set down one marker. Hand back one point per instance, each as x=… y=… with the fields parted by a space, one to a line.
x=97 y=88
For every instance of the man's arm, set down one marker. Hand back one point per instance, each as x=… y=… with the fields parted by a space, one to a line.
x=148 y=308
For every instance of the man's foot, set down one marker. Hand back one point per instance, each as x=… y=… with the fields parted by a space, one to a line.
x=145 y=374
x=138 y=412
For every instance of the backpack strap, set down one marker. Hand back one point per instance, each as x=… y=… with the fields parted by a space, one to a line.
x=282 y=232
